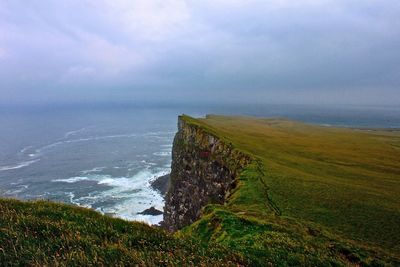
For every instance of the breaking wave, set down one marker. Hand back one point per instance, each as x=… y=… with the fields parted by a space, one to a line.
x=126 y=196
x=18 y=165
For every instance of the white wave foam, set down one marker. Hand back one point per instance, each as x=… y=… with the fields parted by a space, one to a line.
x=71 y=197
x=13 y=192
x=95 y=169
x=130 y=195
x=158 y=135
x=72 y=180
x=167 y=149
x=18 y=165
x=75 y=132
x=26 y=150
x=23 y=150
x=167 y=145
x=87 y=139
x=162 y=153
x=117 y=182
x=148 y=164
x=149 y=219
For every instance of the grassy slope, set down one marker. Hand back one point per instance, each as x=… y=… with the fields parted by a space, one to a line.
x=316 y=194
x=50 y=234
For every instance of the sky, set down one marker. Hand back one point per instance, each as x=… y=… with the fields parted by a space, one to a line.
x=264 y=51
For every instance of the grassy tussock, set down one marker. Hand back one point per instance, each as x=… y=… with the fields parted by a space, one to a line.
x=43 y=233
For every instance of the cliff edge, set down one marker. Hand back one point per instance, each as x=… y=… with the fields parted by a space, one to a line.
x=301 y=210
x=203 y=171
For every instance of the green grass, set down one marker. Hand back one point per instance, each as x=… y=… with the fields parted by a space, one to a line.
x=341 y=183
x=49 y=234
x=313 y=196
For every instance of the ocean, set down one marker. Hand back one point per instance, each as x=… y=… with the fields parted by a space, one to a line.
x=105 y=157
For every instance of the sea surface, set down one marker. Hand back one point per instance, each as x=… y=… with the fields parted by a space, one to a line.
x=104 y=157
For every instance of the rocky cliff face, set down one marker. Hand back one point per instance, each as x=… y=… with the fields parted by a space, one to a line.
x=204 y=171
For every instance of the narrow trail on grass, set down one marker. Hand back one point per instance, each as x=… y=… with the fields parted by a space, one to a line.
x=270 y=204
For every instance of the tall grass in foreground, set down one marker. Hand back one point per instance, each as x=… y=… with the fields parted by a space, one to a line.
x=49 y=234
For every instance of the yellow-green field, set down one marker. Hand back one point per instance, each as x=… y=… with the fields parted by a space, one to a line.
x=344 y=182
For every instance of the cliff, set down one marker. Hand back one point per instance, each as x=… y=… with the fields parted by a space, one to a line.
x=292 y=213
x=204 y=171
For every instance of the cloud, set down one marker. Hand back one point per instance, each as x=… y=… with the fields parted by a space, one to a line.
x=149 y=20
x=78 y=74
x=3 y=52
x=260 y=49
x=112 y=58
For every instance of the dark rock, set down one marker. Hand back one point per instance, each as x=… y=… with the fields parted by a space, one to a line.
x=204 y=171
x=151 y=211
x=161 y=184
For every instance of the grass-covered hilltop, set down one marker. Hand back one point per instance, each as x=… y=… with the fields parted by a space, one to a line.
x=307 y=196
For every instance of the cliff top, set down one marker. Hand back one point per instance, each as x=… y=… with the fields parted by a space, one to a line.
x=345 y=182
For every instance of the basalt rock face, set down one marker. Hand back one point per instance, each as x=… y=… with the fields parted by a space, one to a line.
x=204 y=171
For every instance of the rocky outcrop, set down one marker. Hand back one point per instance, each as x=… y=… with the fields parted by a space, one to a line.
x=161 y=184
x=204 y=171
x=151 y=211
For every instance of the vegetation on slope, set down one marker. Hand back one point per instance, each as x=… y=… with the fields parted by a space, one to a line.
x=49 y=234
x=313 y=195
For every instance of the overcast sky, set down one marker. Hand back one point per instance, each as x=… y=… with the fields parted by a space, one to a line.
x=281 y=51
